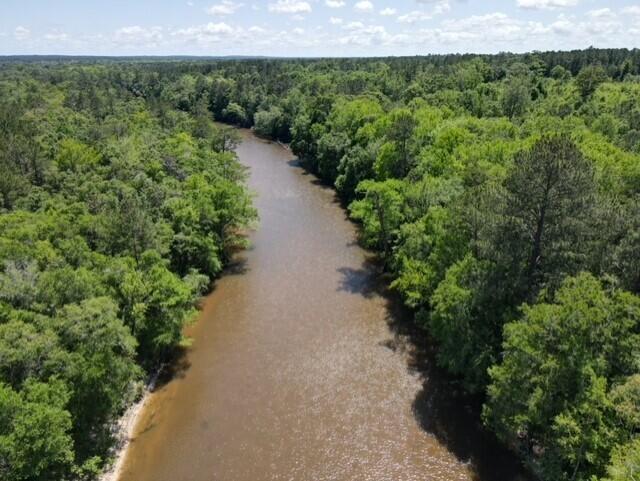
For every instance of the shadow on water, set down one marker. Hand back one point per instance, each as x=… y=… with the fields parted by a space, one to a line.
x=238 y=265
x=177 y=363
x=318 y=182
x=356 y=281
x=175 y=367
x=440 y=408
x=313 y=178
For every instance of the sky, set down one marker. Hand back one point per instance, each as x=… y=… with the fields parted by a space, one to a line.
x=312 y=28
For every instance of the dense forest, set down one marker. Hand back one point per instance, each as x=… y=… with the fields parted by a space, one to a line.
x=116 y=212
x=502 y=194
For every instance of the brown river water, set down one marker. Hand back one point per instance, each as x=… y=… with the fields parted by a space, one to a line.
x=303 y=368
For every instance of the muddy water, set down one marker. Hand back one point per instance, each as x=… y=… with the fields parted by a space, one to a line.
x=300 y=369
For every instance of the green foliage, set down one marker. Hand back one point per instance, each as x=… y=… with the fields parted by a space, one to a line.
x=625 y=462
x=234 y=114
x=117 y=211
x=380 y=211
x=589 y=78
x=34 y=432
x=549 y=395
x=516 y=98
x=270 y=123
x=549 y=197
x=484 y=182
x=461 y=321
x=74 y=155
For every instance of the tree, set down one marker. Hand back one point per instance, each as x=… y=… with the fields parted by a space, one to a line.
x=35 y=444
x=549 y=197
x=225 y=139
x=623 y=255
x=589 y=78
x=464 y=323
x=270 y=123
x=400 y=131
x=235 y=114
x=625 y=462
x=427 y=247
x=74 y=156
x=560 y=73
x=220 y=96
x=516 y=97
x=18 y=283
x=101 y=367
x=548 y=396
x=354 y=167
x=380 y=211
x=127 y=226
x=29 y=351
x=626 y=402
x=120 y=201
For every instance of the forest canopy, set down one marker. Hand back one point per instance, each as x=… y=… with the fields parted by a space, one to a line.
x=116 y=213
x=503 y=196
x=501 y=192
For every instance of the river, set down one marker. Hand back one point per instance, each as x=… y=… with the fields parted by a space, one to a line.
x=302 y=368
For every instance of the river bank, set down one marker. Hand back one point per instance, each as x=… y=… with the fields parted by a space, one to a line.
x=301 y=365
x=125 y=429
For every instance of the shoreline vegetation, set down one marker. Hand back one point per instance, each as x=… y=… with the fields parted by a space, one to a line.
x=118 y=211
x=491 y=189
x=502 y=193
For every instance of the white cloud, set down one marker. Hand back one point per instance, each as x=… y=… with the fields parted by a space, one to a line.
x=602 y=22
x=56 y=36
x=490 y=28
x=415 y=16
x=21 y=33
x=632 y=10
x=546 y=4
x=290 y=6
x=205 y=34
x=226 y=7
x=354 y=26
x=136 y=35
x=439 y=8
x=364 y=6
x=601 y=13
x=563 y=26
x=599 y=23
x=359 y=35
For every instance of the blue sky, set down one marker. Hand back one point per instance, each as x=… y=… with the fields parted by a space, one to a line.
x=313 y=27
